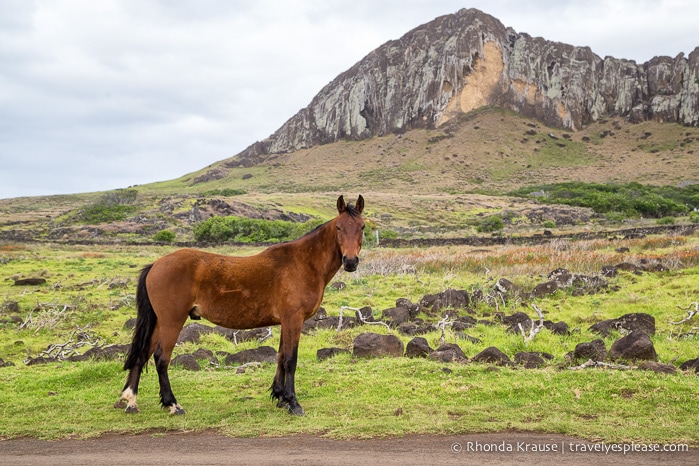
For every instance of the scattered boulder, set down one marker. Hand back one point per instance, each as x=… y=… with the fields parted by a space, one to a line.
x=414 y=328
x=364 y=314
x=544 y=289
x=637 y=345
x=492 y=355
x=463 y=322
x=192 y=332
x=562 y=277
x=657 y=367
x=692 y=364
x=413 y=309
x=331 y=322
x=261 y=354
x=557 y=328
x=131 y=324
x=448 y=352
x=450 y=298
x=40 y=360
x=11 y=306
x=637 y=321
x=395 y=315
x=30 y=281
x=105 y=353
x=6 y=363
x=628 y=322
x=327 y=353
x=186 y=361
x=203 y=354
x=367 y=345
x=418 y=348
x=595 y=350
x=506 y=287
x=513 y=321
x=532 y=360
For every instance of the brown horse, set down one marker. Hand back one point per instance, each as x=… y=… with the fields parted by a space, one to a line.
x=284 y=284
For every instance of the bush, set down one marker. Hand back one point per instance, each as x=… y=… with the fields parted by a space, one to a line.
x=490 y=224
x=631 y=199
x=225 y=192
x=113 y=206
x=248 y=230
x=666 y=221
x=164 y=236
x=549 y=224
x=694 y=217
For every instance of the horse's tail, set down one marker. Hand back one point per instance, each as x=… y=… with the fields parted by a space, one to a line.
x=145 y=323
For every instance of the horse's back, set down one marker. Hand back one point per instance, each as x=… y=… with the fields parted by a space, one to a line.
x=234 y=292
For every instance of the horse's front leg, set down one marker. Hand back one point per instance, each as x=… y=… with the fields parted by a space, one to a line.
x=283 y=387
x=279 y=376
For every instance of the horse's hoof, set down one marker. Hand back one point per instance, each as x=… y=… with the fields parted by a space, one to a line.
x=132 y=410
x=297 y=411
x=177 y=410
x=282 y=404
x=121 y=404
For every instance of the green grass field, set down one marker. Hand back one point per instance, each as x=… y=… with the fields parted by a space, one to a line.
x=92 y=288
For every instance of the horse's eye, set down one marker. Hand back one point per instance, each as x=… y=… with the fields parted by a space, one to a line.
x=338 y=227
x=362 y=227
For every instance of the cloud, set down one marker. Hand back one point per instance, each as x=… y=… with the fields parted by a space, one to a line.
x=108 y=94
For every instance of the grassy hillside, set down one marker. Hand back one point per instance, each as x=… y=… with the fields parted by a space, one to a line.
x=424 y=183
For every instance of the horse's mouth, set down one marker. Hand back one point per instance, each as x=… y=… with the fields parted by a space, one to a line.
x=350 y=265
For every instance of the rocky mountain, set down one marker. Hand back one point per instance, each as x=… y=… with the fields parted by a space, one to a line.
x=460 y=62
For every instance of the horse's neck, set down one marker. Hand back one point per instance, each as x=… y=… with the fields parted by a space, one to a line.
x=322 y=250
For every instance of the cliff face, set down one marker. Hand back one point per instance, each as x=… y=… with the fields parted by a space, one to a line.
x=463 y=61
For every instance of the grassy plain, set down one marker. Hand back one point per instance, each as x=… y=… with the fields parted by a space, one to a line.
x=92 y=288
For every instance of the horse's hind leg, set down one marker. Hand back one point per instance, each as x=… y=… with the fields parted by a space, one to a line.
x=162 y=355
x=127 y=401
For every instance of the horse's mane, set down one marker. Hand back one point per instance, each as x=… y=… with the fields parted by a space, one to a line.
x=352 y=211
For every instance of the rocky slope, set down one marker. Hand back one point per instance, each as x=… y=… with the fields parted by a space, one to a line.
x=468 y=60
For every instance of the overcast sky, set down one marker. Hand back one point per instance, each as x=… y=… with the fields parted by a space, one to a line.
x=105 y=94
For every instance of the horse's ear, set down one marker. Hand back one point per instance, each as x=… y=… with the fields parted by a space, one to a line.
x=341 y=206
x=360 y=204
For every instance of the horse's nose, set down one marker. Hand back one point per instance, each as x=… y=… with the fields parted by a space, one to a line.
x=350 y=263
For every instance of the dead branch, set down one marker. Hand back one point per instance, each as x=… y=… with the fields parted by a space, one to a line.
x=591 y=363
x=360 y=317
x=690 y=313
x=442 y=324
x=535 y=329
x=267 y=335
x=63 y=351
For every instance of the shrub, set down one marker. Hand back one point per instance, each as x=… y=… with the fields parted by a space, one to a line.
x=225 y=192
x=490 y=224
x=113 y=206
x=631 y=199
x=248 y=230
x=164 y=236
x=666 y=221
x=548 y=224
x=694 y=217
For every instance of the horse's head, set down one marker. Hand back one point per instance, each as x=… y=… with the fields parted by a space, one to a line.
x=350 y=232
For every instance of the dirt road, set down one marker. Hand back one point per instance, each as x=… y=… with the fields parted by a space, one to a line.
x=212 y=449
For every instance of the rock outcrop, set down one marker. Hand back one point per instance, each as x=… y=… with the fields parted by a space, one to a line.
x=463 y=61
